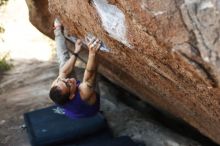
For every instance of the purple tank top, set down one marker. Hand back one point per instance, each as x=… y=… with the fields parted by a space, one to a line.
x=77 y=108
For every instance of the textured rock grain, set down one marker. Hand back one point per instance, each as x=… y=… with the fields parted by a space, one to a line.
x=166 y=52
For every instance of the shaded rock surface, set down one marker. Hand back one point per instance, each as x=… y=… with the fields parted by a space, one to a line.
x=165 y=52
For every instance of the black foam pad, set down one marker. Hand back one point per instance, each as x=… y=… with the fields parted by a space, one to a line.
x=49 y=126
x=95 y=139
x=119 y=141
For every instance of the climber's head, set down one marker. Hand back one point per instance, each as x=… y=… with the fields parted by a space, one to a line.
x=63 y=90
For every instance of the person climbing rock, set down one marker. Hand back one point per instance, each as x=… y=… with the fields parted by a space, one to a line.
x=77 y=99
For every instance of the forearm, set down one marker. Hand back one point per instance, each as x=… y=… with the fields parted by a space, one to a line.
x=68 y=66
x=90 y=71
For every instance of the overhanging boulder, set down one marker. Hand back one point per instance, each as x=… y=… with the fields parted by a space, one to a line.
x=166 y=52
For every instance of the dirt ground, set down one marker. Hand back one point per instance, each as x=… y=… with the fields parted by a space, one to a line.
x=22 y=90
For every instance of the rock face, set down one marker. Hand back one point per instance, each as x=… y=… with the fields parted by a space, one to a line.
x=40 y=16
x=166 y=52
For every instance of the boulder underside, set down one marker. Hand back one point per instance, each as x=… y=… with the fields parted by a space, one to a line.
x=165 y=52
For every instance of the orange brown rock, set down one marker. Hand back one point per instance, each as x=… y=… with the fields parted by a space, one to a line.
x=165 y=52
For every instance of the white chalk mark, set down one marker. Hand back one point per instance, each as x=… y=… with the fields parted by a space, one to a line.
x=144 y=7
x=113 y=20
x=191 y=1
x=206 y=5
x=158 y=13
x=58 y=110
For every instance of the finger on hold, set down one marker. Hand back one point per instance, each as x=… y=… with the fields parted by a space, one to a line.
x=91 y=41
x=78 y=41
x=90 y=46
x=96 y=41
x=98 y=46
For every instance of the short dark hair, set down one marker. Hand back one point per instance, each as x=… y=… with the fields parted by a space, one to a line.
x=57 y=96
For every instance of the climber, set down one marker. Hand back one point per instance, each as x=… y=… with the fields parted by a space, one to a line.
x=78 y=100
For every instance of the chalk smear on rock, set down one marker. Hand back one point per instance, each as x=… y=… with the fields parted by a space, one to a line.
x=113 y=20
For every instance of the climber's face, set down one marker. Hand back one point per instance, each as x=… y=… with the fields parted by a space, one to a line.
x=67 y=86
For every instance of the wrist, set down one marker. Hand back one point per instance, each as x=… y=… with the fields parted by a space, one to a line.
x=92 y=54
x=75 y=54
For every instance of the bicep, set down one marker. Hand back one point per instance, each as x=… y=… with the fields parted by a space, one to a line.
x=86 y=90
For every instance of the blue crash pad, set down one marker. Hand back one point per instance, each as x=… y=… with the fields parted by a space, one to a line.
x=49 y=126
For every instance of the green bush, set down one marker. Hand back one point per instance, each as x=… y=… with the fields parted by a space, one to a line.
x=2 y=30
x=2 y=2
x=4 y=63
